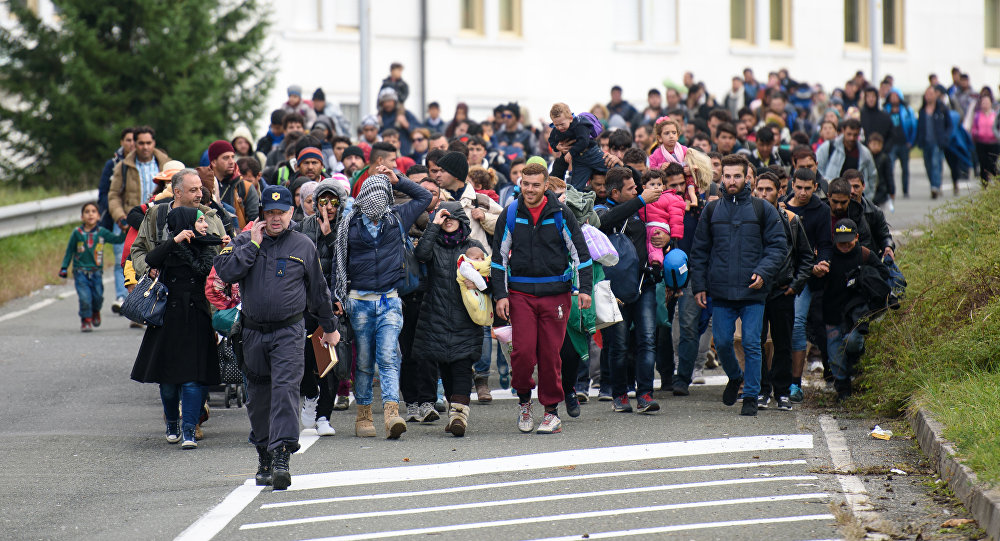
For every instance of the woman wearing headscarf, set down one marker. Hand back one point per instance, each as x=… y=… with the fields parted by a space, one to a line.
x=446 y=339
x=369 y=266
x=181 y=355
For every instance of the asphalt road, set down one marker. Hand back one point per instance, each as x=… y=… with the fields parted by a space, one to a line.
x=85 y=458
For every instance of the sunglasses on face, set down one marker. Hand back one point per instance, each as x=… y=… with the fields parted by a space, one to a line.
x=508 y=115
x=324 y=201
x=419 y=139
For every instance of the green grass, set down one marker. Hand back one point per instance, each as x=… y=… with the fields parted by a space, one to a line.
x=31 y=261
x=941 y=350
x=11 y=194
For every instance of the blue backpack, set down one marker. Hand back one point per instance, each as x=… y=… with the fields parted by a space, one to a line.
x=624 y=275
x=557 y=220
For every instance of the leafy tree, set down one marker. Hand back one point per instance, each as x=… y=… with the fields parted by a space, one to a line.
x=192 y=69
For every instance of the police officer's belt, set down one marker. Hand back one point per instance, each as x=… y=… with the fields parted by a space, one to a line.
x=270 y=326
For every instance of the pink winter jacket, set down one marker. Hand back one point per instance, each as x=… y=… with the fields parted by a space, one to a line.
x=659 y=157
x=668 y=209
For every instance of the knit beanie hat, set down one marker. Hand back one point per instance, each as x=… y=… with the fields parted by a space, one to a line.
x=455 y=164
x=295 y=90
x=319 y=95
x=311 y=152
x=353 y=150
x=219 y=148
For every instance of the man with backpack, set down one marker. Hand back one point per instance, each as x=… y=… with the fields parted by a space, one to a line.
x=855 y=285
x=538 y=249
x=634 y=285
x=738 y=249
x=230 y=188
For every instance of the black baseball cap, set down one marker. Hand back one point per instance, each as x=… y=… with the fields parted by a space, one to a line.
x=845 y=230
x=276 y=198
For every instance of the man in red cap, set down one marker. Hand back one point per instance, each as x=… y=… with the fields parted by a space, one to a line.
x=228 y=187
x=310 y=163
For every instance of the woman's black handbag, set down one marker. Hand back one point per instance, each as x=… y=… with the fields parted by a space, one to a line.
x=147 y=302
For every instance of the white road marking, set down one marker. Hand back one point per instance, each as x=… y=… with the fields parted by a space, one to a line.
x=509 y=484
x=307 y=437
x=686 y=527
x=43 y=303
x=575 y=516
x=211 y=523
x=536 y=461
x=854 y=490
x=520 y=501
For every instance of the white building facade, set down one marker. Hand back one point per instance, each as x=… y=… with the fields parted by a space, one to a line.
x=536 y=52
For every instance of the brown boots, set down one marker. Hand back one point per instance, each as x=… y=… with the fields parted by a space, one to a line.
x=363 y=425
x=458 y=419
x=483 y=390
x=394 y=424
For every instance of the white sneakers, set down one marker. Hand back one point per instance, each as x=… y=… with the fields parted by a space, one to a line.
x=698 y=378
x=308 y=416
x=525 y=423
x=323 y=427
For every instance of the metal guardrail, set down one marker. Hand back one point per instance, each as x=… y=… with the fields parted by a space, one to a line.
x=44 y=213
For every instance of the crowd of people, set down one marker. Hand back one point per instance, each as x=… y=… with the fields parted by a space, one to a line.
x=591 y=252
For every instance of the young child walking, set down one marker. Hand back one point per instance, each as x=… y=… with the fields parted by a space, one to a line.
x=86 y=250
x=584 y=150
x=667 y=133
x=667 y=213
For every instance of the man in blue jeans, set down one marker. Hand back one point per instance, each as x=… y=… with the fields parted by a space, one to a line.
x=738 y=248
x=369 y=267
x=622 y=210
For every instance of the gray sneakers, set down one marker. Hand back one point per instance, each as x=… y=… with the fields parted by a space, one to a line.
x=525 y=422
x=426 y=413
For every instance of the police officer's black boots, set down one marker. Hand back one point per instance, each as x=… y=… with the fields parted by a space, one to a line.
x=264 y=459
x=280 y=478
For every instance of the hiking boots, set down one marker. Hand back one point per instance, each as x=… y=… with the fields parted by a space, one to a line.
x=264 y=458
x=394 y=424
x=458 y=419
x=483 y=390
x=364 y=427
x=280 y=476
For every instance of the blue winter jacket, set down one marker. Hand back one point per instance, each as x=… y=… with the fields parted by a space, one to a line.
x=376 y=264
x=727 y=252
x=903 y=117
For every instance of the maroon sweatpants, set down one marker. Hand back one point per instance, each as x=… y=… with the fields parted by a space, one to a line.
x=539 y=326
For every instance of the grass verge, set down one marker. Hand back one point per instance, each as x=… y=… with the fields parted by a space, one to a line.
x=12 y=194
x=941 y=350
x=31 y=261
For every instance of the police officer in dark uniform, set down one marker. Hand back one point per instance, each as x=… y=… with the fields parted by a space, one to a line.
x=280 y=278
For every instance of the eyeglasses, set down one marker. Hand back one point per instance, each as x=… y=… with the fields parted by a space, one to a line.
x=508 y=115
x=419 y=139
x=324 y=201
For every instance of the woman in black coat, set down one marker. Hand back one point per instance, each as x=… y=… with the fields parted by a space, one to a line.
x=445 y=333
x=181 y=355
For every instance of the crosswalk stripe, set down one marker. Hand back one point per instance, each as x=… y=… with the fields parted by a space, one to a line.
x=645 y=451
x=687 y=527
x=523 y=501
x=573 y=516
x=565 y=478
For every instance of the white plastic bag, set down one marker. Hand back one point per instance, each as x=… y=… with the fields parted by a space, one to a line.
x=605 y=305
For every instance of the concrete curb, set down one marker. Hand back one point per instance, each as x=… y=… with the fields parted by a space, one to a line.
x=982 y=502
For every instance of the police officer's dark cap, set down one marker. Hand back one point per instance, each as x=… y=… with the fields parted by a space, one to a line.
x=845 y=230
x=276 y=198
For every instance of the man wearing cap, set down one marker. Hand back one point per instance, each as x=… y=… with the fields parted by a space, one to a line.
x=310 y=163
x=281 y=278
x=353 y=159
x=840 y=293
x=229 y=188
x=296 y=105
x=394 y=115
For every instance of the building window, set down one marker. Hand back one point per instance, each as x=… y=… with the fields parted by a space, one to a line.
x=992 y=20
x=741 y=20
x=855 y=22
x=892 y=23
x=472 y=16
x=510 y=17
x=781 y=21
x=663 y=28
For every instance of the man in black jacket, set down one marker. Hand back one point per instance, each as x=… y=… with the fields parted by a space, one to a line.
x=622 y=210
x=879 y=228
x=534 y=260
x=843 y=206
x=779 y=309
x=875 y=120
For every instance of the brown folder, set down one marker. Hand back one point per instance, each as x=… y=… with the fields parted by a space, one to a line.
x=326 y=357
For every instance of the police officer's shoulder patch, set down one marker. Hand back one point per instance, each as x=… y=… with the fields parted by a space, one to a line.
x=226 y=250
x=296 y=259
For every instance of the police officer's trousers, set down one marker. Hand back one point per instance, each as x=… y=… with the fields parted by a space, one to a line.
x=274 y=363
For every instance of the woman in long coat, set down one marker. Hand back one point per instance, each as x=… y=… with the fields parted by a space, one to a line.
x=181 y=355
